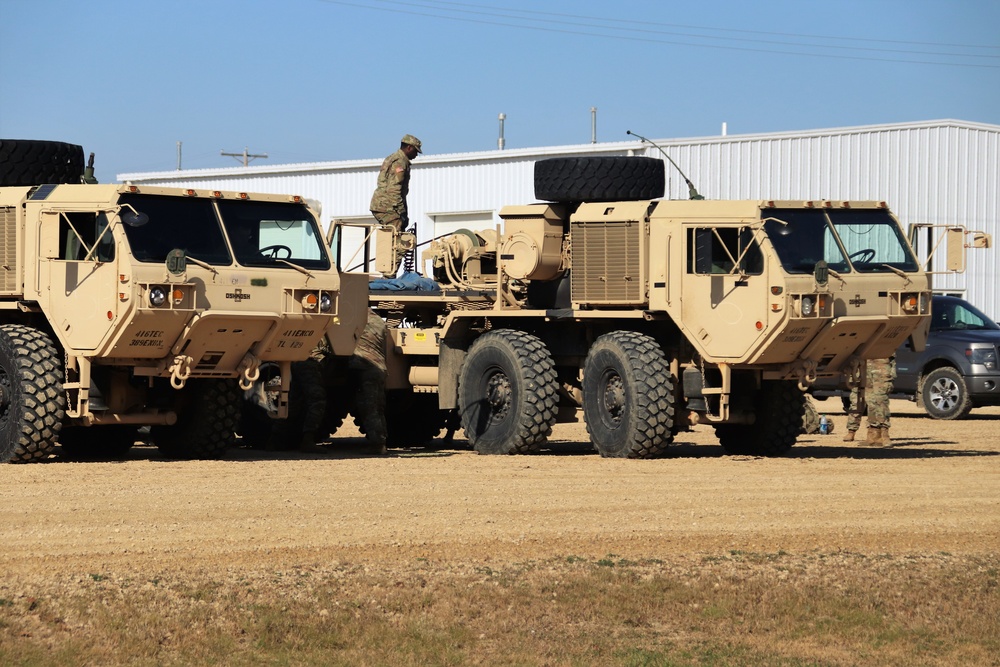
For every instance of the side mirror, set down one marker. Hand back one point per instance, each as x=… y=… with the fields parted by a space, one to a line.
x=134 y=218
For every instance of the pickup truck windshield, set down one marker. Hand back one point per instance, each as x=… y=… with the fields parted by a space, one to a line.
x=869 y=240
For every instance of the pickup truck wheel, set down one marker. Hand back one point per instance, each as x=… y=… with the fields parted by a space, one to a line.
x=32 y=403
x=207 y=414
x=628 y=396
x=97 y=443
x=944 y=394
x=24 y=162
x=577 y=179
x=779 y=407
x=507 y=393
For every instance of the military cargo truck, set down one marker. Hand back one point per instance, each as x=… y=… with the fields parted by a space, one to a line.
x=646 y=315
x=123 y=307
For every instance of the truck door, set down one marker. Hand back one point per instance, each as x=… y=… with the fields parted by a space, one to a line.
x=725 y=289
x=78 y=276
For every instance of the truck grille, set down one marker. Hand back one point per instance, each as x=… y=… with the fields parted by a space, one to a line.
x=9 y=282
x=608 y=263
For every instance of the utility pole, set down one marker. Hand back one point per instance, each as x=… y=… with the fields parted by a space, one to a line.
x=247 y=156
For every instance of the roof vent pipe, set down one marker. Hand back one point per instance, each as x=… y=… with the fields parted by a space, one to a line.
x=593 y=125
x=500 y=141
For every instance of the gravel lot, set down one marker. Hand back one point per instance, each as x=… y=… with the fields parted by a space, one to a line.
x=937 y=490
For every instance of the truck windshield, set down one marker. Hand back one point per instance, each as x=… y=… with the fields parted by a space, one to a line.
x=871 y=238
x=263 y=233
x=176 y=222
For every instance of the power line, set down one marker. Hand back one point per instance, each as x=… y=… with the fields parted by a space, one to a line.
x=427 y=12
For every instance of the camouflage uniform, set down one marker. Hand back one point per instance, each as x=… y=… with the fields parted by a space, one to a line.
x=388 y=203
x=874 y=400
x=368 y=372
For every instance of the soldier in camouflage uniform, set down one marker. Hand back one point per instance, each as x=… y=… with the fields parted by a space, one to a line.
x=875 y=398
x=368 y=371
x=388 y=203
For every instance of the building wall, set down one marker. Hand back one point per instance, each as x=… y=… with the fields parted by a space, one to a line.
x=940 y=172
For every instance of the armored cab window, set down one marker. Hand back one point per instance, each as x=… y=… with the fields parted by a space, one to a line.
x=80 y=231
x=724 y=250
x=270 y=233
x=863 y=240
x=184 y=223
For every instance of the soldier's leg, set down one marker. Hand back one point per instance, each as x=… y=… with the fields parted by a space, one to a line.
x=370 y=403
x=854 y=413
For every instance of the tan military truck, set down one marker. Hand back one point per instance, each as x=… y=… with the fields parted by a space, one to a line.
x=124 y=306
x=646 y=315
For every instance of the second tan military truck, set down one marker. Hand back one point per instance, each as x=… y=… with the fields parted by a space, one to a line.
x=646 y=315
x=124 y=307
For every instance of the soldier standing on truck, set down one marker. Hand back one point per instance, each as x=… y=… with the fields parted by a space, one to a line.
x=875 y=397
x=388 y=203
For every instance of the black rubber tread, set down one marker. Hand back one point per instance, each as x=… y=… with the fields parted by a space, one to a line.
x=641 y=425
x=32 y=405
x=779 y=407
x=208 y=413
x=521 y=363
x=944 y=394
x=31 y=162
x=413 y=420
x=97 y=443
x=578 y=179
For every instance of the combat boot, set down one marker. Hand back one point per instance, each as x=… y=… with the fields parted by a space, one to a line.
x=873 y=438
x=849 y=436
x=885 y=440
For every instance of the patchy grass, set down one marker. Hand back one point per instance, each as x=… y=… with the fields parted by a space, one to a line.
x=731 y=608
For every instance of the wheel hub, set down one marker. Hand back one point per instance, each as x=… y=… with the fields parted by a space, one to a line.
x=498 y=396
x=614 y=397
x=944 y=394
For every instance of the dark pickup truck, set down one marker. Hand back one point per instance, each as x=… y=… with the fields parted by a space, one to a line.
x=957 y=371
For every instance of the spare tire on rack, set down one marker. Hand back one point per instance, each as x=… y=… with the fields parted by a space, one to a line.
x=31 y=162
x=578 y=179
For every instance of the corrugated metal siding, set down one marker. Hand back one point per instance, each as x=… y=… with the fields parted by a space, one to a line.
x=943 y=172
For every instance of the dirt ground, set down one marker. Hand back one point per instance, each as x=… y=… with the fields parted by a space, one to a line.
x=937 y=490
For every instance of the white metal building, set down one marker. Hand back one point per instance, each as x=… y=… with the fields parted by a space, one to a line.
x=939 y=172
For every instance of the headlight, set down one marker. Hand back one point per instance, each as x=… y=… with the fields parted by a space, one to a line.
x=309 y=301
x=157 y=296
x=986 y=356
x=325 y=302
x=807 y=305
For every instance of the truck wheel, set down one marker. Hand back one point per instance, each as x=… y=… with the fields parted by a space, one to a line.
x=779 y=408
x=208 y=412
x=36 y=162
x=507 y=393
x=97 y=443
x=628 y=396
x=945 y=394
x=576 y=179
x=32 y=404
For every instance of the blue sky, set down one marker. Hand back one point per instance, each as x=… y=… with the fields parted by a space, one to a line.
x=317 y=80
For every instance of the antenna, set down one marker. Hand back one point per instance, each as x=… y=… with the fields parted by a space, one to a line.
x=692 y=191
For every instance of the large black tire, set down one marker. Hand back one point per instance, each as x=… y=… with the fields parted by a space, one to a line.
x=628 y=396
x=27 y=162
x=944 y=394
x=208 y=413
x=413 y=420
x=97 y=443
x=32 y=404
x=507 y=393
x=779 y=408
x=578 y=179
